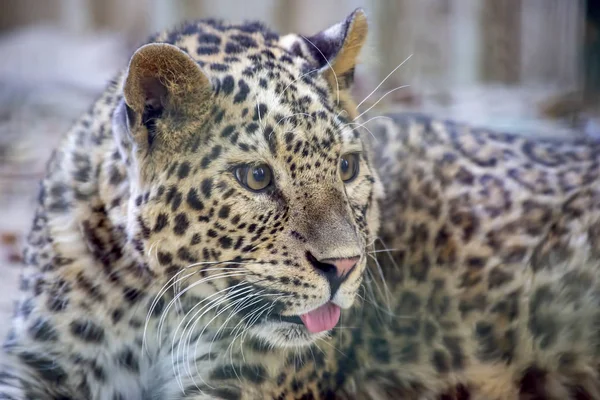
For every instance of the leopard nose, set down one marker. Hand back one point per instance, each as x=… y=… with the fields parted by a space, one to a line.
x=335 y=270
x=343 y=266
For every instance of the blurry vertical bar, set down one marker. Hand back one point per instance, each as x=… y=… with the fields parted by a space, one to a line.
x=591 y=53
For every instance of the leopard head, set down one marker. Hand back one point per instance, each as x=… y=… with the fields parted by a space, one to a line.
x=250 y=183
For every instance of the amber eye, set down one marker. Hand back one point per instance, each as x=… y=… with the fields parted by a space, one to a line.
x=349 y=166
x=255 y=178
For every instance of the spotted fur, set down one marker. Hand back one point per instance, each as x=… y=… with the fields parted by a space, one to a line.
x=152 y=273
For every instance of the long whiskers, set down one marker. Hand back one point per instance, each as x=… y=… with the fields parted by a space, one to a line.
x=242 y=301
x=387 y=292
x=383 y=251
x=362 y=125
x=182 y=292
x=171 y=283
x=381 y=98
x=388 y=252
x=382 y=82
x=239 y=295
x=195 y=318
x=256 y=301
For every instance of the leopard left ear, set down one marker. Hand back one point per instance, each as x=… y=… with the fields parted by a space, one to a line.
x=335 y=51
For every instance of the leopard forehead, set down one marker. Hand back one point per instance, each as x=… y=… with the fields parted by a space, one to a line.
x=264 y=96
x=252 y=72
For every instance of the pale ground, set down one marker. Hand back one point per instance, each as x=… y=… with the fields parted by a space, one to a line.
x=47 y=80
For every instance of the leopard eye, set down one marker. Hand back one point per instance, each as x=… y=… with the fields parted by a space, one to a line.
x=254 y=177
x=349 y=167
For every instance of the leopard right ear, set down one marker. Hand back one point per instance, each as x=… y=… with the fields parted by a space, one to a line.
x=167 y=96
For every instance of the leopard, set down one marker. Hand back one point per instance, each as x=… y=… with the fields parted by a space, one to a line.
x=223 y=224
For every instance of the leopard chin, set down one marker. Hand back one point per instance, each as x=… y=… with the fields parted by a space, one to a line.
x=277 y=334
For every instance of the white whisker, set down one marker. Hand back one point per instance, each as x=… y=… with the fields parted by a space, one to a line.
x=385 y=286
x=170 y=284
x=234 y=304
x=211 y=304
x=384 y=251
x=362 y=125
x=384 y=79
x=392 y=260
x=258 y=113
x=245 y=297
x=181 y=293
x=381 y=98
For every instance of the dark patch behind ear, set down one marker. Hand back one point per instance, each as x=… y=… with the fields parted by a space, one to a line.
x=335 y=51
x=156 y=98
x=337 y=46
x=325 y=45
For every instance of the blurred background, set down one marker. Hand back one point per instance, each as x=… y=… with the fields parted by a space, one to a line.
x=526 y=66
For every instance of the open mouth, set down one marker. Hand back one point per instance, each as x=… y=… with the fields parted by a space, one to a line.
x=320 y=319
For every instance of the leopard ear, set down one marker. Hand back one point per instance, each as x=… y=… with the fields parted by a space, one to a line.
x=166 y=95
x=335 y=50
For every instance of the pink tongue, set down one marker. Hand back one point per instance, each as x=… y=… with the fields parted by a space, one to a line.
x=322 y=319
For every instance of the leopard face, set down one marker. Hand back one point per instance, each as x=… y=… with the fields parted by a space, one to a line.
x=252 y=193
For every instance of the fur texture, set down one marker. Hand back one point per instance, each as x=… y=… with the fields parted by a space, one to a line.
x=154 y=272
